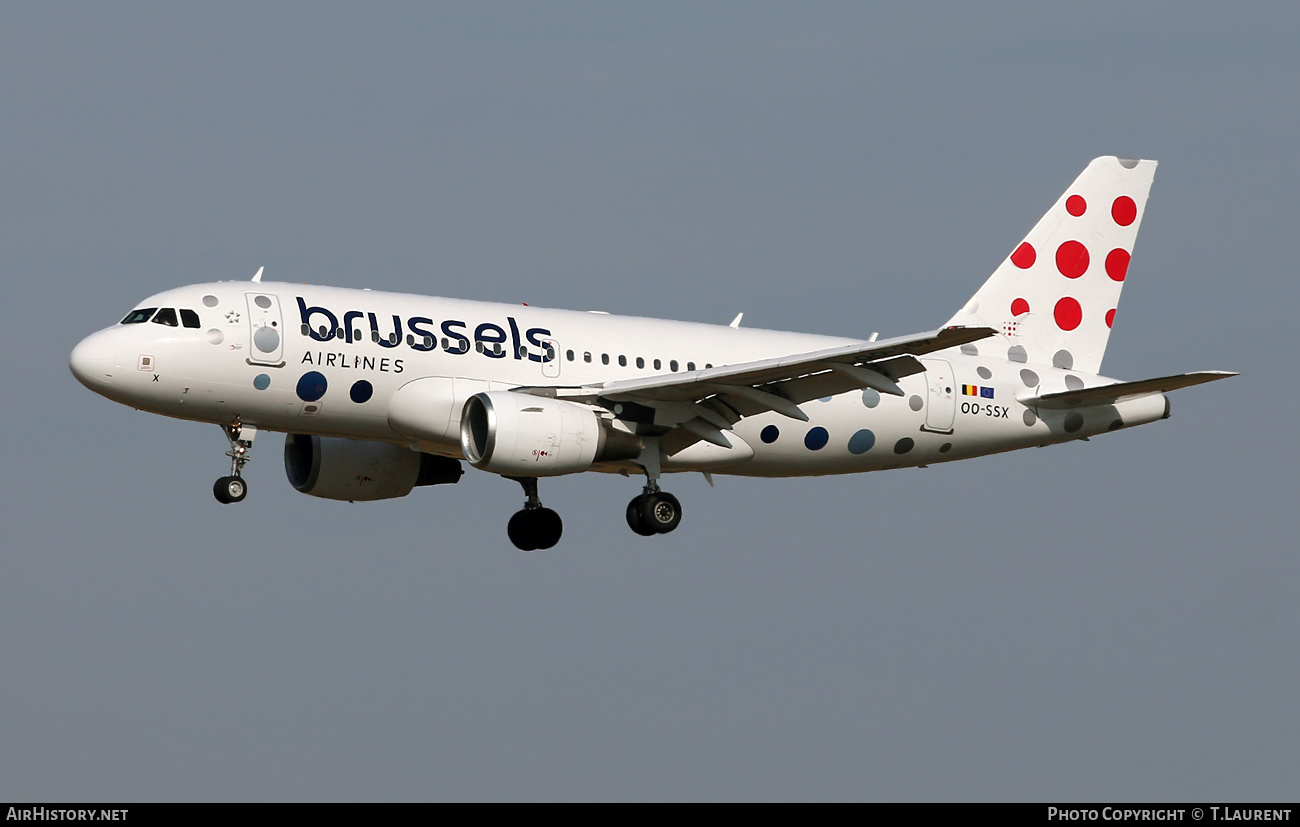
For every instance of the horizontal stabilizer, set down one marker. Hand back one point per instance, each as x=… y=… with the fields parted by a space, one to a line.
x=1107 y=394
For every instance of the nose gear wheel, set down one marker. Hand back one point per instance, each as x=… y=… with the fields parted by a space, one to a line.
x=233 y=489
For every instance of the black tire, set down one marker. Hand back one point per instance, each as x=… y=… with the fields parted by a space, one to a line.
x=547 y=528
x=229 y=490
x=661 y=512
x=521 y=531
x=635 y=520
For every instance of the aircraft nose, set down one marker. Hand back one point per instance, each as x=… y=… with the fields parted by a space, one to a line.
x=92 y=363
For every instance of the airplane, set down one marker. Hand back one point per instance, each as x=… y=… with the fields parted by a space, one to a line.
x=379 y=393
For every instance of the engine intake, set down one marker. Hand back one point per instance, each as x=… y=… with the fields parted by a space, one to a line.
x=516 y=434
x=360 y=470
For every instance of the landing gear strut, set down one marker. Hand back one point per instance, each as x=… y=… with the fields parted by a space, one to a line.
x=535 y=526
x=654 y=511
x=233 y=489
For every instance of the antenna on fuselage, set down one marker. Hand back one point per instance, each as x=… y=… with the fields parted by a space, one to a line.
x=258 y=275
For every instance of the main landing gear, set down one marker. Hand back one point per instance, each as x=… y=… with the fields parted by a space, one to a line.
x=535 y=526
x=654 y=511
x=233 y=489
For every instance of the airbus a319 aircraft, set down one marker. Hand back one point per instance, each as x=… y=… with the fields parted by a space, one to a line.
x=379 y=393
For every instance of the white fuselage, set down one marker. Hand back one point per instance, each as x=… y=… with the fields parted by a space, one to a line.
x=261 y=350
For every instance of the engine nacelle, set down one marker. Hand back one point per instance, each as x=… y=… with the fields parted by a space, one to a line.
x=520 y=435
x=353 y=469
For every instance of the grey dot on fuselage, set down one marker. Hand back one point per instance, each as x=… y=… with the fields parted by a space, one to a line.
x=1029 y=378
x=1063 y=359
x=916 y=403
x=1073 y=422
x=1074 y=383
x=1017 y=353
x=266 y=339
x=984 y=372
x=871 y=397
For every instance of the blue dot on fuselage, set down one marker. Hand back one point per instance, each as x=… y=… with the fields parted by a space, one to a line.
x=769 y=434
x=261 y=381
x=311 y=386
x=861 y=442
x=361 y=391
x=816 y=439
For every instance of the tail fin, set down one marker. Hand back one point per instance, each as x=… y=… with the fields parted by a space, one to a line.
x=1053 y=299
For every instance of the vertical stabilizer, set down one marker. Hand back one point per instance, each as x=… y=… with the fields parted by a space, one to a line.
x=1053 y=300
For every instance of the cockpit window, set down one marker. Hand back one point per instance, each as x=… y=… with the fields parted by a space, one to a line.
x=189 y=318
x=139 y=316
x=166 y=316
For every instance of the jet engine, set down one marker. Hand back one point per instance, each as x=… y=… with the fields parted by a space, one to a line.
x=520 y=435
x=353 y=469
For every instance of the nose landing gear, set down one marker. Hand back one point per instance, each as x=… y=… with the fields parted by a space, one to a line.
x=233 y=489
x=535 y=526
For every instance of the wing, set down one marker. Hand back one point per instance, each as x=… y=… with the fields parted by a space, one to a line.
x=687 y=407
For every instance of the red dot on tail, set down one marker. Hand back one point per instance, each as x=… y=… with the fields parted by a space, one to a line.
x=1068 y=313
x=1024 y=256
x=1123 y=211
x=1019 y=307
x=1072 y=259
x=1110 y=317
x=1075 y=205
x=1117 y=264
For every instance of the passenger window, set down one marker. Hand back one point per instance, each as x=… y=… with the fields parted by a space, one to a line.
x=640 y=363
x=690 y=366
x=569 y=355
x=189 y=318
x=586 y=357
x=673 y=366
x=604 y=358
x=139 y=316
x=166 y=316
x=622 y=361
x=658 y=365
